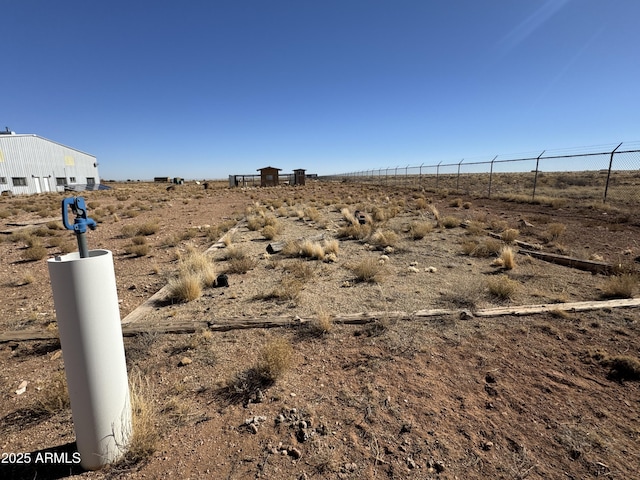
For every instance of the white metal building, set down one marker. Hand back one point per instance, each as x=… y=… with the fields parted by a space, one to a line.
x=32 y=164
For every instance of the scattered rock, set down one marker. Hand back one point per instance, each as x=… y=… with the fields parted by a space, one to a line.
x=439 y=466
x=413 y=264
x=490 y=378
x=295 y=453
x=486 y=446
x=431 y=269
x=22 y=387
x=185 y=361
x=389 y=250
x=466 y=315
x=411 y=463
x=413 y=270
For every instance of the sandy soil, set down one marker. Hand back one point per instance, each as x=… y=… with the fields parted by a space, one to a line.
x=415 y=397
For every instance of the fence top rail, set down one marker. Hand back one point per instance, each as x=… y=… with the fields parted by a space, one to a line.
x=462 y=162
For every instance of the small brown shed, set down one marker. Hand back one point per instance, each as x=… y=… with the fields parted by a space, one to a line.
x=269 y=176
x=298 y=176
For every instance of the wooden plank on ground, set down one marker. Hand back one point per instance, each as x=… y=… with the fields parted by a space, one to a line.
x=241 y=323
x=587 y=265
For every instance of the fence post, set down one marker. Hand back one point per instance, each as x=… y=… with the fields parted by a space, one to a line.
x=491 y=174
x=535 y=179
x=458 y=176
x=438 y=174
x=606 y=187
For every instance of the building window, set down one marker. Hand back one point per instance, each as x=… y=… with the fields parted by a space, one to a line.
x=91 y=181
x=3 y=180
x=61 y=181
x=72 y=179
x=19 y=181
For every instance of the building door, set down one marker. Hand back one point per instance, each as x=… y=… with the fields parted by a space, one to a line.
x=45 y=184
x=36 y=181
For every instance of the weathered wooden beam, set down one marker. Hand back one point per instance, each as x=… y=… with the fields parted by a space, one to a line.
x=587 y=265
x=241 y=323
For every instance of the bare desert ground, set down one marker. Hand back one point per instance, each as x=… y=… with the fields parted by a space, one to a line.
x=385 y=340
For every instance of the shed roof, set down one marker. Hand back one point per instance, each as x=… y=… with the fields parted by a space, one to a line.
x=269 y=168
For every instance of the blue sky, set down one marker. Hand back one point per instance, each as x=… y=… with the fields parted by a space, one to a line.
x=204 y=89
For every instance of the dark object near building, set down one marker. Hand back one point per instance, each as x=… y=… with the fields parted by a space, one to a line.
x=269 y=176
x=360 y=217
x=222 y=281
x=161 y=179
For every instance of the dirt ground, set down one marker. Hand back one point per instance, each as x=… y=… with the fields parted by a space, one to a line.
x=402 y=396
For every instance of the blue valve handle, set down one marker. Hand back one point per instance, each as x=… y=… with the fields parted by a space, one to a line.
x=80 y=223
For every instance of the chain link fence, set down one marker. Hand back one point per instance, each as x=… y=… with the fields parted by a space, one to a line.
x=611 y=177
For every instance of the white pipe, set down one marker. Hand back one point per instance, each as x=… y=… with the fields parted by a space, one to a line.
x=86 y=303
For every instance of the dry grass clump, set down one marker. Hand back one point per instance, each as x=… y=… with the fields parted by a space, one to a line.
x=456 y=203
x=138 y=249
x=185 y=288
x=620 y=286
x=312 y=213
x=486 y=248
x=291 y=249
x=255 y=222
x=275 y=359
x=384 y=238
x=331 y=246
x=54 y=397
x=623 y=367
x=34 y=252
x=146 y=228
x=475 y=227
x=145 y=436
x=355 y=231
x=312 y=249
x=421 y=203
x=289 y=289
x=506 y=259
x=502 y=287
x=554 y=231
x=368 y=270
x=349 y=216
x=302 y=270
x=269 y=232
x=195 y=272
x=420 y=229
x=451 y=222
x=322 y=324
x=509 y=235
x=240 y=265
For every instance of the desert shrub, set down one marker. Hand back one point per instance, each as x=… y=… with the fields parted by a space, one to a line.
x=255 y=222
x=322 y=323
x=185 y=288
x=275 y=359
x=355 y=230
x=34 y=252
x=312 y=249
x=331 y=246
x=419 y=230
x=291 y=249
x=421 y=203
x=148 y=228
x=384 y=238
x=368 y=270
x=620 y=286
x=506 y=258
x=269 y=232
x=624 y=367
x=289 y=289
x=138 y=250
x=486 y=248
x=450 y=222
x=509 y=235
x=54 y=397
x=240 y=265
x=302 y=270
x=145 y=436
x=456 y=203
x=5 y=213
x=502 y=287
x=554 y=231
x=312 y=213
